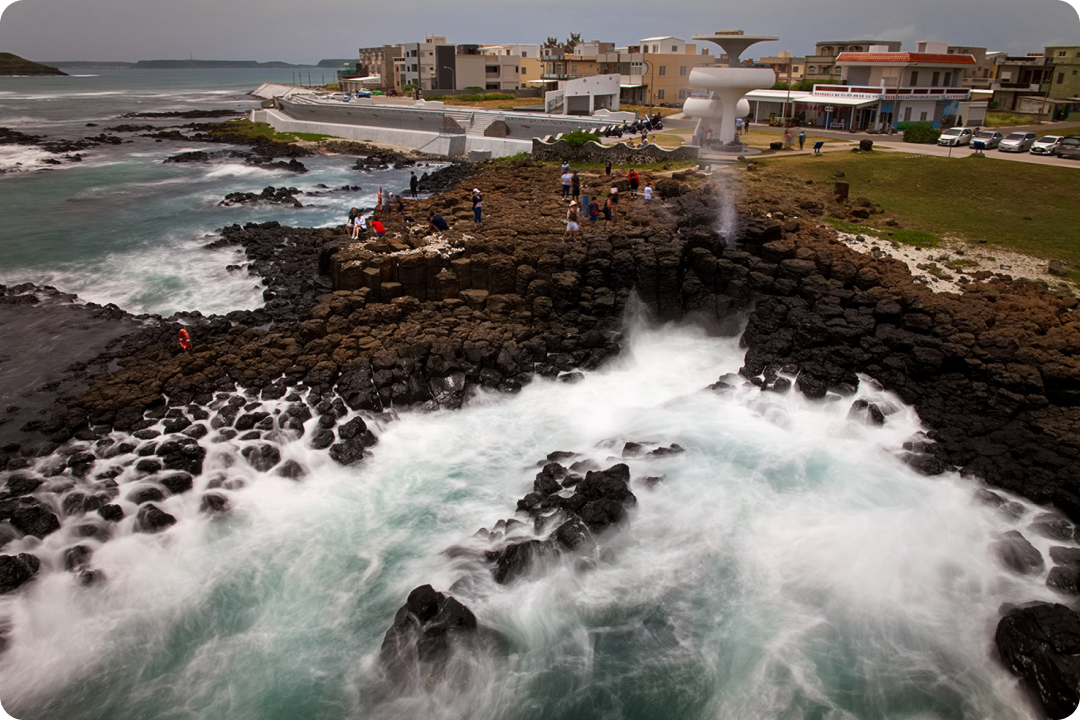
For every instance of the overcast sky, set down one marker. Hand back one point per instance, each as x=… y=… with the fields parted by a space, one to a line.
x=306 y=31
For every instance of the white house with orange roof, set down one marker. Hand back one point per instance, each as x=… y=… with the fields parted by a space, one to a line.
x=883 y=88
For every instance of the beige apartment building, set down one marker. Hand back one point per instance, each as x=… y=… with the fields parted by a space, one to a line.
x=821 y=67
x=788 y=68
x=380 y=61
x=655 y=71
x=530 y=68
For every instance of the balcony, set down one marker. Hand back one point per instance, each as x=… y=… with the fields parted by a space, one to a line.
x=1022 y=87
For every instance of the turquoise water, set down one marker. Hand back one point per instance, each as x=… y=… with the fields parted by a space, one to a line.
x=123 y=227
x=787 y=566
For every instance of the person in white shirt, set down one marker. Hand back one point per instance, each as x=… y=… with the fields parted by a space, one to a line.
x=567 y=177
x=648 y=192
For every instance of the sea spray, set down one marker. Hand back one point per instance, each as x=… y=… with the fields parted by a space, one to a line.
x=787 y=562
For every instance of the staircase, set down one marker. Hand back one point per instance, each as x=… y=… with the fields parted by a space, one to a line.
x=474 y=122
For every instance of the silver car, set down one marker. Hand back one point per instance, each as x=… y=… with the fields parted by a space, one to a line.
x=1017 y=142
x=989 y=138
x=1046 y=145
x=956 y=136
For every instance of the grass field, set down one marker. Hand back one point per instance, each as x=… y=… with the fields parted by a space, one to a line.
x=254 y=130
x=1033 y=209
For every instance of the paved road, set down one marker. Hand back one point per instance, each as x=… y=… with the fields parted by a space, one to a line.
x=845 y=140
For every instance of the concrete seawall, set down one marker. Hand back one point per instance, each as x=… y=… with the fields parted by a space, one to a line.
x=435 y=143
x=436 y=129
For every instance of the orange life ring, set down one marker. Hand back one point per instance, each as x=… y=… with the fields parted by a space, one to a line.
x=185 y=339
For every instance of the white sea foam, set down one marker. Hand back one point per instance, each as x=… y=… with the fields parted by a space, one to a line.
x=177 y=274
x=786 y=565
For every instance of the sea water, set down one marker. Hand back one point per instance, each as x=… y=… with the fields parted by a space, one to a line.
x=786 y=565
x=122 y=226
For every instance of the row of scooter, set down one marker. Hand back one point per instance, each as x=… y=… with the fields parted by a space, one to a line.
x=649 y=123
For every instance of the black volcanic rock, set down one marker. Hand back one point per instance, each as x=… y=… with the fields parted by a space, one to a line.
x=426 y=631
x=17 y=570
x=1041 y=644
x=152 y=519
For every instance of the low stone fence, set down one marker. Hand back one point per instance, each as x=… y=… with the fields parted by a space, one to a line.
x=594 y=152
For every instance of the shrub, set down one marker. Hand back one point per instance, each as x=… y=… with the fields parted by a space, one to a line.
x=923 y=133
x=579 y=138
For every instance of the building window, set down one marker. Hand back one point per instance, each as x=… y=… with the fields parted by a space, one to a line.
x=948 y=79
x=914 y=77
x=674 y=48
x=682 y=70
x=934 y=79
x=492 y=86
x=663 y=70
x=922 y=116
x=682 y=94
x=795 y=69
x=656 y=48
x=660 y=94
x=573 y=68
x=907 y=114
x=524 y=53
x=811 y=70
x=1061 y=78
x=491 y=69
x=1061 y=53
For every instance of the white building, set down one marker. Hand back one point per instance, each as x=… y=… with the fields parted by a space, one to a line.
x=584 y=96
x=882 y=88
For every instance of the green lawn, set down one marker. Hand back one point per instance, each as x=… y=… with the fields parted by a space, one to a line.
x=253 y=130
x=1034 y=209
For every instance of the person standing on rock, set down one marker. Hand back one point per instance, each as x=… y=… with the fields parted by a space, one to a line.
x=565 y=167
x=575 y=186
x=609 y=211
x=632 y=177
x=572 y=226
x=594 y=211
x=477 y=207
x=566 y=178
x=607 y=168
x=414 y=183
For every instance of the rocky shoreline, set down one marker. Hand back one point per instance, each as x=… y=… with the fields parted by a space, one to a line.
x=994 y=371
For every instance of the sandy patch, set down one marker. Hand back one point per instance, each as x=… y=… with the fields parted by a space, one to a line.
x=953 y=264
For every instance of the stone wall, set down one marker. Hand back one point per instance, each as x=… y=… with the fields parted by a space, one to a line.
x=621 y=154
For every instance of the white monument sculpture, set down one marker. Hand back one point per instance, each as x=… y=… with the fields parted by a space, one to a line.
x=728 y=85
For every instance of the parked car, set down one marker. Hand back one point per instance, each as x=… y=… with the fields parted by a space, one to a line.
x=1046 y=145
x=1069 y=147
x=1017 y=142
x=989 y=138
x=956 y=136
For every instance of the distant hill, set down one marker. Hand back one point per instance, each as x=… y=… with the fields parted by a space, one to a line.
x=91 y=64
x=15 y=65
x=160 y=64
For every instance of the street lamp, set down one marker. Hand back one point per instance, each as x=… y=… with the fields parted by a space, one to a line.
x=453 y=81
